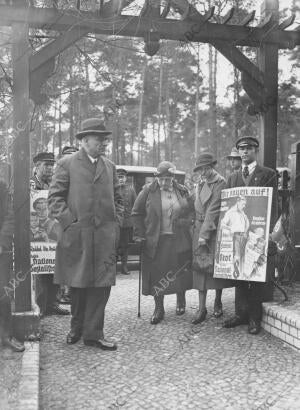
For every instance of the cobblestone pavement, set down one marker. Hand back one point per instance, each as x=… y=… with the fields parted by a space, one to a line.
x=10 y=372
x=173 y=365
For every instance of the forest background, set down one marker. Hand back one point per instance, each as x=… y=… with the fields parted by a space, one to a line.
x=185 y=98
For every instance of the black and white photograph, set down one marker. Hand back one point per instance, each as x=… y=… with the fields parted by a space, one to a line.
x=149 y=204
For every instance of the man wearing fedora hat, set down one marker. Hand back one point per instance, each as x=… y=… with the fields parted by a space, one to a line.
x=250 y=295
x=85 y=198
x=235 y=159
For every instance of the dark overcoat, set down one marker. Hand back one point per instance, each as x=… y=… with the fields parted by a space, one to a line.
x=147 y=213
x=262 y=177
x=6 y=236
x=88 y=205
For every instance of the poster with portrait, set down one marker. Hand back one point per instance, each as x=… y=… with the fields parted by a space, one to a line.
x=243 y=234
x=43 y=234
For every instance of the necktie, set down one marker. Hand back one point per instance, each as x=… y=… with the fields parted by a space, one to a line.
x=246 y=171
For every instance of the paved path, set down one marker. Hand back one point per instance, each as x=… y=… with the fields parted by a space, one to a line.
x=169 y=366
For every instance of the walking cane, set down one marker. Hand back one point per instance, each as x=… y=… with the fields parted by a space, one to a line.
x=140 y=277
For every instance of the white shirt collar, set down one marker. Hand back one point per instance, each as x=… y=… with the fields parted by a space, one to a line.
x=93 y=160
x=251 y=167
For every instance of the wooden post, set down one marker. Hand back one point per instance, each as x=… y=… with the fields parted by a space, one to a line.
x=21 y=165
x=268 y=63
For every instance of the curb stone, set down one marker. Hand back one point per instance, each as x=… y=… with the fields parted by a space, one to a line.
x=28 y=394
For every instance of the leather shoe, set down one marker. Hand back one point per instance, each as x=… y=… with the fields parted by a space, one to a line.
x=73 y=337
x=218 y=310
x=199 y=317
x=180 y=310
x=158 y=315
x=57 y=310
x=234 y=321
x=101 y=344
x=180 y=306
x=13 y=344
x=254 y=327
x=124 y=271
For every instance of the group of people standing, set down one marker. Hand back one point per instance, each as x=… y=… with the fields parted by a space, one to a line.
x=176 y=225
x=95 y=209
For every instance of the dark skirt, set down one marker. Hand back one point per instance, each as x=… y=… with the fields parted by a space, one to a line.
x=203 y=281
x=167 y=272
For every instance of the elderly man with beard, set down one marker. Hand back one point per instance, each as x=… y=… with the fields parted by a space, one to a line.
x=85 y=198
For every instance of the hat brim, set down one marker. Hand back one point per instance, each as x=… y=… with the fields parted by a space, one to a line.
x=204 y=165
x=82 y=134
x=49 y=161
x=234 y=157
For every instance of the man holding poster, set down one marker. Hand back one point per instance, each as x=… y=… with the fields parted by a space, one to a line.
x=250 y=294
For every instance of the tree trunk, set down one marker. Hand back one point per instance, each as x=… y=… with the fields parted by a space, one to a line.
x=212 y=99
x=140 y=118
x=159 y=108
x=197 y=104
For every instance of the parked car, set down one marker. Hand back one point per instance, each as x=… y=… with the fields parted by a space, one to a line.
x=139 y=175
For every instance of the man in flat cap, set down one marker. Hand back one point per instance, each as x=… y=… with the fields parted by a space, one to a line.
x=85 y=198
x=250 y=295
x=44 y=163
x=235 y=159
x=46 y=291
x=129 y=196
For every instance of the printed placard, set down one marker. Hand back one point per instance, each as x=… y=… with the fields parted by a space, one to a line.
x=243 y=234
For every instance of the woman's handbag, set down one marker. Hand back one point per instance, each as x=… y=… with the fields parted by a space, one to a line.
x=203 y=260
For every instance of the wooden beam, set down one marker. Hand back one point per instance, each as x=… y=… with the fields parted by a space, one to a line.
x=268 y=63
x=135 y=26
x=287 y=22
x=228 y=16
x=248 y=19
x=56 y=46
x=21 y=164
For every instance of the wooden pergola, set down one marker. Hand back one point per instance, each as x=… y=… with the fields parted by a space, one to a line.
x=153 y=24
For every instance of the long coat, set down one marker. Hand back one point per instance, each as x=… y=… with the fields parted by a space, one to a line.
x=87 y=203
x=263 y=177
x=164 y=254
x=129 y=196
x=147 y=213
x=207 y=211
x=6 y=236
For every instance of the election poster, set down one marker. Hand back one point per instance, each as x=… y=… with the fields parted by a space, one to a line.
x=243 y=234
x=43 y=234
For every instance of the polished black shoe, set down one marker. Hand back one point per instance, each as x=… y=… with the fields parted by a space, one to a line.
x=234 y=321
x=180 y=310
x=101 y=344
x=180 y=306
x=199 y=317
x=13 y=344
x=254 y=327
x=73 y=337
x=218 y=310
x=57 y=310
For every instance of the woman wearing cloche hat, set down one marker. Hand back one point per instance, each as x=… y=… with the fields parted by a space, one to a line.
x=162 y=216
x=207 y=209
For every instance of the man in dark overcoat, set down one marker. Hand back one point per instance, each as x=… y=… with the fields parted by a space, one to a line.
x=46 y=290
x=6 y=291
x=85 y=198
x=250 y=295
